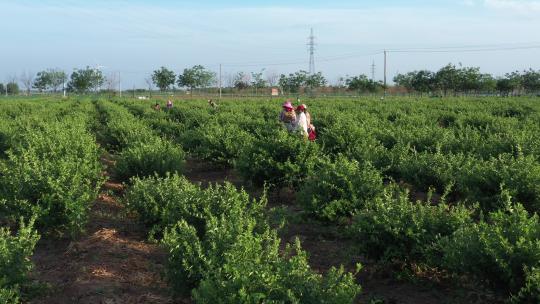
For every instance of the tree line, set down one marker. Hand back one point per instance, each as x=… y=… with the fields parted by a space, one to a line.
x=454 y=80
x=449 y=80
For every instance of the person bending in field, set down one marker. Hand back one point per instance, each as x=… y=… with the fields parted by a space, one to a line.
x=301 y=121
x=288 y=116
x=212 y=104
x=169 y=104
x=157 y=107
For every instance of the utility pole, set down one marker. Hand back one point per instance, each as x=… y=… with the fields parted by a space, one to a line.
x=373 y=71
x=384 y=73
x=311 y=44
x=119 y=85
x=220 y=81
x=63 y=84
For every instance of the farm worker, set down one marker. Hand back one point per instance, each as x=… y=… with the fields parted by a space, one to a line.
x=157 y=107
x=212 y=103
x=301 y=120
x=288 y=116
x=312 y=135
x=169 y=104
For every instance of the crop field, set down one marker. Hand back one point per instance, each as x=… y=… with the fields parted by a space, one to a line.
x=406 y=200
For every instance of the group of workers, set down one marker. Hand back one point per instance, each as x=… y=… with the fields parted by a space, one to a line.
x=297 y=120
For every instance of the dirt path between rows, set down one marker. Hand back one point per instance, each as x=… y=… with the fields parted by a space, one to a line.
x=111 y=263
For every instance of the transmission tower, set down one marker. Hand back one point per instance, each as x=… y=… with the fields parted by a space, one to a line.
x=311 y=45
x=373 y=71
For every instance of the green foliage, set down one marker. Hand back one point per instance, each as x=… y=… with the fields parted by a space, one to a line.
x=392 y=227
x=278 y=159
x=15 y=264
x=52 y=172
x=498 y=250
x=163 y=78
x=363 y=84
x=339 y=188
x=49 y=80
x=12 y=88
x=148 y=158
x=84 y=80
x=220 y=144
x=196 y=77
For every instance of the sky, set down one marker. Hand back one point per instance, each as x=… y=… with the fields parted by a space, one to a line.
x=136 y=37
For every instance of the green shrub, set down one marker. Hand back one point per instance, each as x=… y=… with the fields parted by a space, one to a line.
x=530 y=292
x=278 y=159
x=254 y=271
x=220 y=144
x=53 y=172
x=391 y=227
x=498 y=250
x=15 y=253
x=148 y=158
x=339 y=188
x=8 y=296
x=163 y=201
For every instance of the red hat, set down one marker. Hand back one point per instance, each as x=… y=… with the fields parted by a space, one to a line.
x=300 y=108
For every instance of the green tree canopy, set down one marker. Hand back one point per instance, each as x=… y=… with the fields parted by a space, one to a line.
x=12 y=88
x=363 y=84
x=163 y=78
x=196 y=77
x=84 y=80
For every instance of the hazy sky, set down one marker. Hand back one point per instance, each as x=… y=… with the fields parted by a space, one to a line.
x=136 y=37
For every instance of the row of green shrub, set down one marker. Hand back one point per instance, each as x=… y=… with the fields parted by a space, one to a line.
x=49 y=174
x=52 y=170
x=222 y=250
x=423 y=143
x=140 y=151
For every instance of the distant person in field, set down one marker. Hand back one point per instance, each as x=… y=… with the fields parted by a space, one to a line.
x=212 y=104
x=157 y=107
x=311 y=128
x=169 y=104
x=288 y=116
x=301 y=121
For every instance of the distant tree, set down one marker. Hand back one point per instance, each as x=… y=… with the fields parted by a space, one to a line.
x=257 y=81
x=2 y=89
x=516 y=80
x=424 y=81
x=363 y=84
x=505 y=86
x=27 y=79
x=447 y=78
x=293 y=82
x=42 y=81
x=149 y=83
x=196 y=77
x=405 y=80
x=242 y=81
x=51 y=79
x=57 y=78
x=111 y=82
x=487 y=83
x=468 y=79
x=272 y=78
x=163 y=78
x=12 y=88
x=531 y=81
x=84 y=80
x=315 y=80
